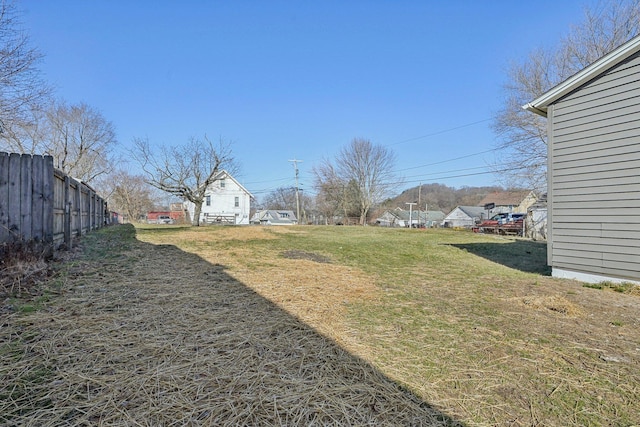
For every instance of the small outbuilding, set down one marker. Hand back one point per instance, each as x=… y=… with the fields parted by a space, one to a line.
x=464 y=217
x=535 y=223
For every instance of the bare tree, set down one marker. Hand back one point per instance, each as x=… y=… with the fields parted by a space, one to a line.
x=522 y=149
x=280 y=198
x=327 y=206
x=22 y=90
x=128 y=194
x=361 y=176
x=337 y=195
x=80 y=140
x=78 y=137
x=285 y=198
x=185 y=171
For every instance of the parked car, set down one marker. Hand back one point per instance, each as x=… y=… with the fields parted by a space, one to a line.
x=512 y=217
x=165 y=219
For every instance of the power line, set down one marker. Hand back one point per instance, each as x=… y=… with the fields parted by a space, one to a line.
x=446 y=172
x=440 y=132
x=447 y=161
x=413 y=167
x=264 y=182
x=466 y=174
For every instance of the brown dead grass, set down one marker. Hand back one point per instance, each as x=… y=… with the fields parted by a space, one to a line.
x=554 y=303
x=315 y=292
x=158 y=336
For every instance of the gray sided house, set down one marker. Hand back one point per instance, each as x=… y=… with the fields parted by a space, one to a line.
x=464 y=216
x=593 y=125
x=400 y=218
x=274 y=217
x=433 y=218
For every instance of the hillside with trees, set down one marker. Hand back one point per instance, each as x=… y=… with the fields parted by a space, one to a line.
x=438 y=197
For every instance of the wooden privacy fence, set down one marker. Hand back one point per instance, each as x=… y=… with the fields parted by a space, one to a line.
x=39 y=203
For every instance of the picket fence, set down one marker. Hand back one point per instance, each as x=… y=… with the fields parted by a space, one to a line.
x=42 y=204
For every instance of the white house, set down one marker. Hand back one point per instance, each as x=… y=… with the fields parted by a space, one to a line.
x=226 y=202
x=464 y=216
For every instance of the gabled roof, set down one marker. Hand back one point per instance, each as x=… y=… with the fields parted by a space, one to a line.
x=403 y=215
x=610 y=60
x=228 y=175
x=471 y=211
x=434 y=215
x=273 y=215
x=505 y=198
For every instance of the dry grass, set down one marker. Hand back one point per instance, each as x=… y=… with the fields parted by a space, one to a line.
x=22 y=267
x=319 y=326
x=555 y=303
x=157 y=336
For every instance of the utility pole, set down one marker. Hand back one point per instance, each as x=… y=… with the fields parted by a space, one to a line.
x=426 y=214
x=419 y=194
x=410 y=212
x=295 y=166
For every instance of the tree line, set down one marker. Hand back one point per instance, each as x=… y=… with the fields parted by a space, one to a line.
x=358 y=180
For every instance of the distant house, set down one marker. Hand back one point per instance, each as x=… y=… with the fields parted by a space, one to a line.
x=507 y=202
x=400 y=218
x=464 y=216
x=593 y=193
x=226 y=202
x=433 y=218
x=274 y=217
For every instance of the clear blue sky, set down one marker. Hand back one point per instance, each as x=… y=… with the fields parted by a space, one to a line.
x=299 y=79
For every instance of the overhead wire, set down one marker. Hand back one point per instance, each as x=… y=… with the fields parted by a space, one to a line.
x=424 y=176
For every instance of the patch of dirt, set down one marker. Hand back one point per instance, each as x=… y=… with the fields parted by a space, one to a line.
x=227 y=233
x=293 y=254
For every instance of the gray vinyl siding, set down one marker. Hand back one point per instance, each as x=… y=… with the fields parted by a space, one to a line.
x=594 y=175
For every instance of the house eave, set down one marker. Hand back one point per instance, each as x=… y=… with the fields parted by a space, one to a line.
x=540 y=104
x=536 y=110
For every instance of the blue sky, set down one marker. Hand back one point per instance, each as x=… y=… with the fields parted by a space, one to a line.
x=300 y=79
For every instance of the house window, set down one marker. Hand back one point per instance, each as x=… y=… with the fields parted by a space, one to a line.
x=222 y=184
x=283 y=214
x=237 y=202
x=208 y=200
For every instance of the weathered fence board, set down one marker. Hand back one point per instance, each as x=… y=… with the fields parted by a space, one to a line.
x=4 y=197
x=26 y=195
x=40 y=203
x=14 y=195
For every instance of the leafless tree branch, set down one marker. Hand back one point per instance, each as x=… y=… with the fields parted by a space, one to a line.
x=522 y=135
x=185 y=171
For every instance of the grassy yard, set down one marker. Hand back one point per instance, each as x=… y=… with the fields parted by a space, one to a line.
x=470 y=327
